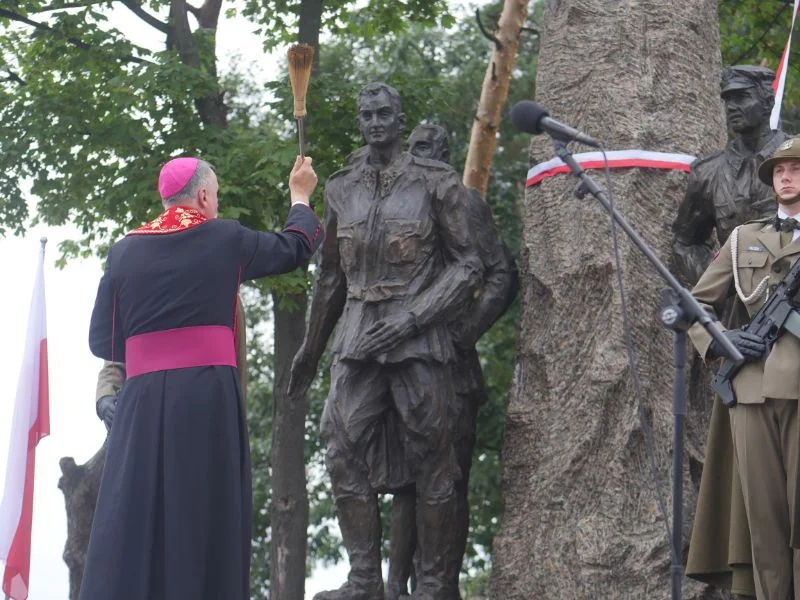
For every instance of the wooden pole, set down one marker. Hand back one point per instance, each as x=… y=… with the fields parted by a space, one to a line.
x=494 y=92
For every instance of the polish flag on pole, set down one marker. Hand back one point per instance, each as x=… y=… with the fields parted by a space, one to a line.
x=30 y=423
x=780 y=75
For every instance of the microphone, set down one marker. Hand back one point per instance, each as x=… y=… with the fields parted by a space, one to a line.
x=530 y=117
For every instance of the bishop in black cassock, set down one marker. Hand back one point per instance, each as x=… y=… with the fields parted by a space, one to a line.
x=173 y=517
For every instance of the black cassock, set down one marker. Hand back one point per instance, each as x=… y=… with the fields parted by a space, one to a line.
x=173 y=516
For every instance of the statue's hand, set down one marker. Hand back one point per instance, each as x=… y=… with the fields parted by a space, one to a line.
x=302 y=372
x=106 y=407
x=464 y=334
x=385 y=334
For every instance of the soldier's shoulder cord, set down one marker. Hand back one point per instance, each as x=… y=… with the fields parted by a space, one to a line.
x=762 y=285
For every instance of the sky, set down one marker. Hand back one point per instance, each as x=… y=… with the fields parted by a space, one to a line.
x=75 y=429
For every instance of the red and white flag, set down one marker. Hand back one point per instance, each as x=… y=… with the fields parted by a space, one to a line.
x=617 y=159
x=779 y=84
x=30 y=423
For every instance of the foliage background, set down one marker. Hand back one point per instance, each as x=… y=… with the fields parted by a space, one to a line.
x=87 y=117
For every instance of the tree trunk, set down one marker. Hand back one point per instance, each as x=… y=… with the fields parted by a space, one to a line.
x=494 y=92
x=580 y=500
x=210 y=104
x=80 y=485
x=289 y=517
x=310 y=25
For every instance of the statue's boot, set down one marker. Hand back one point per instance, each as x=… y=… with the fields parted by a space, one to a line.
x=403 y=544
x=435 y=524
x=458 y=544
x=396 y=591
x=359 y=522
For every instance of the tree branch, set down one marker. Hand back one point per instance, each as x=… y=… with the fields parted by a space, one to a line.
x=11 y=76
x=23 y=19
x=75 y=42
x=208 y=16
x=181 y=35
x=763 y=35
x=210 y=106
x=194 y=10
x=68 y=5
x=145 y=16
x=485 y=33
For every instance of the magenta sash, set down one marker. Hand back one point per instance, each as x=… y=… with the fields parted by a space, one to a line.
x=200 y=346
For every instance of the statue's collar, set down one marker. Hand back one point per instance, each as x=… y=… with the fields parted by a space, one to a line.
x=738 y=154
x=385 y=178
x=770 y=141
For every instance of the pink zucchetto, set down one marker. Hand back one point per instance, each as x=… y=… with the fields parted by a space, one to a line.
x=175 y=175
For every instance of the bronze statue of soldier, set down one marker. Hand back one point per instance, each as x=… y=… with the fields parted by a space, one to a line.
x=724 y=191
x=497 y=291
x=398 y=264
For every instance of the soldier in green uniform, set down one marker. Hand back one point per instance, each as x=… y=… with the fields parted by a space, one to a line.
x=764 y=423
x=723 y=192
x=112 y=374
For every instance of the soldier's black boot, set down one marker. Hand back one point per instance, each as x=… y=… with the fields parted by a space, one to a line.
x=359 y=522
x=435 y=525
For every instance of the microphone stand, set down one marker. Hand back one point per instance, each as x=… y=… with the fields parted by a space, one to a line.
x=679 y=311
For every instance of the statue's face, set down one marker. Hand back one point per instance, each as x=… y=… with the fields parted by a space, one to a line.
x=378 y=121
x=744 y=110
x=425 y=143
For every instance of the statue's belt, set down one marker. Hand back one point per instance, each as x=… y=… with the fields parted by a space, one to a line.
x=377 y=293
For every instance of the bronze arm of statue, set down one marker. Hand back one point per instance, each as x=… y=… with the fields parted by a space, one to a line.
x=692 y=242
x=327 y=303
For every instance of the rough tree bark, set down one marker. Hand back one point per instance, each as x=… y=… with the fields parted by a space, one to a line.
x=80 y=485
x=289 y=511
x=494 y=92
x=581 y=514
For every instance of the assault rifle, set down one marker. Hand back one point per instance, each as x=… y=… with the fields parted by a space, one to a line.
x=778 y=314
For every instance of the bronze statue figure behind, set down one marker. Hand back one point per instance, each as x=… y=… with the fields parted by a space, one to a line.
x=497 y=292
